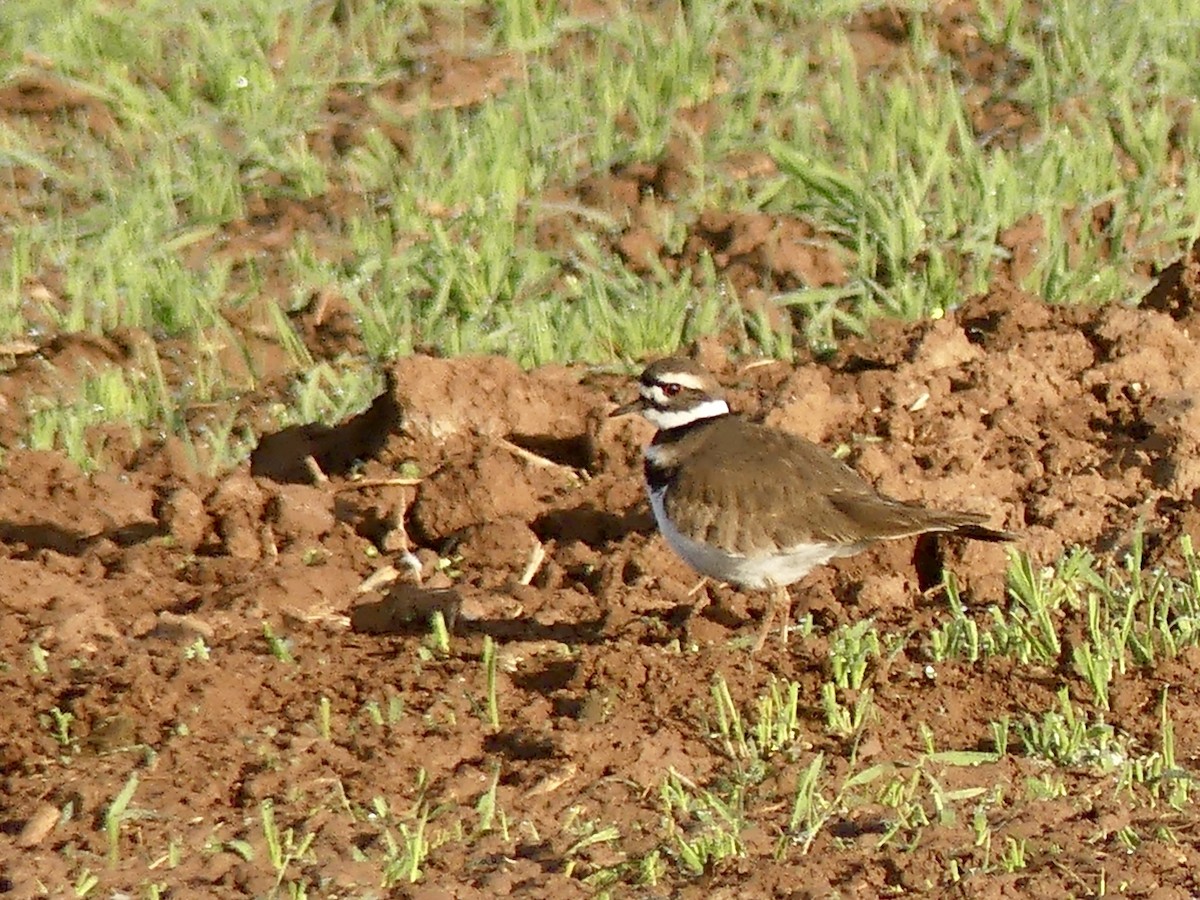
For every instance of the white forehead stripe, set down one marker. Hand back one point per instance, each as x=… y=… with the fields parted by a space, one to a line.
x=673 y=418
x=653 y=394
x=685 y=380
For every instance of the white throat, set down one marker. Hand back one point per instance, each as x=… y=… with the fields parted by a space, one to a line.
x=665 y=419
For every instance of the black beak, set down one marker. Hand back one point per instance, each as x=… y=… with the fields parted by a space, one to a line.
x=633 y=406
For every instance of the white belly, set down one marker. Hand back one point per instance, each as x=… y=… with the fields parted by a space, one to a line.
x=768 y=570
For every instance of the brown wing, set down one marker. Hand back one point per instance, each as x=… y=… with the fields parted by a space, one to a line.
x=789 y=491
x=895 y=519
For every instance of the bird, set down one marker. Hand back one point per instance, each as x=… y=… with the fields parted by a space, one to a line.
x=757 y=507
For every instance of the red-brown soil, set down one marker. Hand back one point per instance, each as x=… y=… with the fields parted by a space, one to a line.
x=1069 y=426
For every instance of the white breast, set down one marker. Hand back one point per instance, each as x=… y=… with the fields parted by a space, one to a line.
x=767 y=570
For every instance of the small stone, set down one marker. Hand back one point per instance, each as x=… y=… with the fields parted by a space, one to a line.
x=38 y=826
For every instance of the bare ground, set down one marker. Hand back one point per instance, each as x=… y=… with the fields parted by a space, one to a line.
x=1068 y=426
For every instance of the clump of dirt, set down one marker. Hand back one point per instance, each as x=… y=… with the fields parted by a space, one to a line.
x=526 y=519
x=758 y=254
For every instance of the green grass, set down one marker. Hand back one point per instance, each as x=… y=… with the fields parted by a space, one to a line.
x=777 y=774
x=150 y=203
x=1131 y=616
x=1068 y=748
x=192 y=126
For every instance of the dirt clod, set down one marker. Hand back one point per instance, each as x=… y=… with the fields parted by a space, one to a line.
x=190 y=632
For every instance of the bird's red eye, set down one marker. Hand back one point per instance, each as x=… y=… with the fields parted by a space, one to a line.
x=671 y=389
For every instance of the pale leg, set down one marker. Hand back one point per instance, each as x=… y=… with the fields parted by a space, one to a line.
x=765 y=629
x=701 y=604
x=785 y=609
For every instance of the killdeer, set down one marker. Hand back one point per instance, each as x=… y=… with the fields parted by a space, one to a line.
x=757 y=507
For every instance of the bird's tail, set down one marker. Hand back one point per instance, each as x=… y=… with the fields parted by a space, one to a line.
x=968 y=525
x=977 y=532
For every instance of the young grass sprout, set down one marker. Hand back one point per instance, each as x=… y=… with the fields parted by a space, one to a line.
x=439 y=634
x=403 y=857
x=718 y=823
x=842 y=721
x=1068 y=737
x=850 y=650
x=1132 y=616
x=324 y=718
x=776 y=726
x=490 y=815
x=283 y=847
x=489 y=665
x=279 y=647
x=114 y=817
x=59 y=723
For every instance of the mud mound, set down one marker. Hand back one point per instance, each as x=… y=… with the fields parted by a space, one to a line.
x=520 y=504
